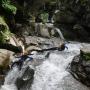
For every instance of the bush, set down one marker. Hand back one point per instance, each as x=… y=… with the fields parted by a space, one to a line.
x=6 y=4
x=4 y=31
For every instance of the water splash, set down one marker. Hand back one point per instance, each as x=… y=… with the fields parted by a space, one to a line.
x=10 y=79
x=60 y=34
x=51 y=74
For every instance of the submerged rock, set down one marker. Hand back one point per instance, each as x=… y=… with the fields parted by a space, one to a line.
x=26 y=79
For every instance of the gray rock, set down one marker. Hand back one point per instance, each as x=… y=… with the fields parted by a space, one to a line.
x=25 y=80
x=80 y=69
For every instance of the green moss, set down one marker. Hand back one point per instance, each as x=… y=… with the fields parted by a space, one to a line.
x=6 y=4
x=44 y=17
x=4 y=31
x=86 y=56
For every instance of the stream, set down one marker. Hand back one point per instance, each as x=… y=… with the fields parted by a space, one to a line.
x=48 y=70
x=51 y=73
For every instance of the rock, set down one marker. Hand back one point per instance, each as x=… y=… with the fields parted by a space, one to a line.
x=72 y=13
x=80 y=68
x=1 y=79
x=87 y=20
x=42 y=30
x=5 y=32
x=85 y=47
x=77 y=29
x=42 y=42
x=5 y=58
x=30 y=48
x=26 y=79
x=65 y=17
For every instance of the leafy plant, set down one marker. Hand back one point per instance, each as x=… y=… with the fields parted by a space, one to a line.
x=86 y=56
x=4 y=31
x=44 y=17
x=6 y=4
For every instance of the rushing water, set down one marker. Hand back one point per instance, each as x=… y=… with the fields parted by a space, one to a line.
x=51 y=70
x=51 y=74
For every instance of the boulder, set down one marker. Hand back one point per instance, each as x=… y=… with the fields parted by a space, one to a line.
x=26 y=79
x=80 y=68
x=5 y=58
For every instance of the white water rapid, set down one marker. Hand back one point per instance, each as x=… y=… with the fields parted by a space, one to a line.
x=50 y=74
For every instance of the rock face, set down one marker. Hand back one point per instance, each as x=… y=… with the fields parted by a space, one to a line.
x=80 y=68
x=74 y=19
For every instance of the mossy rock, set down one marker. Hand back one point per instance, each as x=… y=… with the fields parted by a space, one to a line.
x=86 y=56
x=4 y=31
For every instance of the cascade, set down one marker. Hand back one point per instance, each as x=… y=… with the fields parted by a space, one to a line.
x=50 y=74
x=45 y=73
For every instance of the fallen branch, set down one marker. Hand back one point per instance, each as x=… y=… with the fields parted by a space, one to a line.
x=16 y=49
x=61 y=48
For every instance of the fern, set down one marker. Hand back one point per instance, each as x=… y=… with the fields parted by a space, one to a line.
x=6 y=4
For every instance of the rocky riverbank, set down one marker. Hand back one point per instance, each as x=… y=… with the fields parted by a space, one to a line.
x=80 y=66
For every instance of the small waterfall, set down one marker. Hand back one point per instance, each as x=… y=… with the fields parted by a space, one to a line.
x=43 y=30
x=50 y=25
x=60 y=34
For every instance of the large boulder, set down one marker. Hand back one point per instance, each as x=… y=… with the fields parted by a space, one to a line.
x=4 y=31
x=26 y=79
x=80 y=67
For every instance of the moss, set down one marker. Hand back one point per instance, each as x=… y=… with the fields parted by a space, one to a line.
x=86 y=56
x=4 y=31
x=9 y=8
x=44 y=17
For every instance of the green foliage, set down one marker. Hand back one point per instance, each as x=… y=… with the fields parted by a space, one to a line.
x=4 y=31
x=83 y=2
x=86 y=56
x=6 y=4
x=44 y=17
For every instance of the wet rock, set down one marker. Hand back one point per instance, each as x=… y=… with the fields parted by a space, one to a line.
x=1 y=79
x=43 y=42
x=26 y=79
x=42 y=30
x=30 y=48
x=4 y=61
x=80 y=68
x=7 y=56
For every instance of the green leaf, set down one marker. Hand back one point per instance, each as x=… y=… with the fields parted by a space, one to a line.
x=8 y=6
